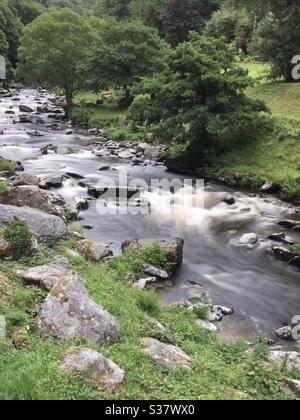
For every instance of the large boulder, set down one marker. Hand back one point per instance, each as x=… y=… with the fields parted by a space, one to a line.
x=172 y=247
x=165 y=355
x=45 y=227
x=34 y=197
x=93 y=251
x=93 y=366
x=68 y=313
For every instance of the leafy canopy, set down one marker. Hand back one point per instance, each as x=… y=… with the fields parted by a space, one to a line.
x=53 y=49
x=198 y=97
x=125 y=52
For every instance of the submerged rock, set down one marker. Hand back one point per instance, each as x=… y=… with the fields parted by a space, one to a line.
x=68 y=313
x=24 y=108
x=165 y=355
x=93 y=366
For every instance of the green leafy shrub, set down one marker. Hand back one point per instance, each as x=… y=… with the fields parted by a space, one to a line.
x=4 y=186
x=20 y=238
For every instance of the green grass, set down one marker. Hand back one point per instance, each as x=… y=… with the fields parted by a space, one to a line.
x=219 y=371
x=273 y=157
x=7 y=165
x=4 y=185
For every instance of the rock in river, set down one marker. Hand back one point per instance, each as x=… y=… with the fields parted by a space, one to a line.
x=94 y=367
x=45 y=227
x=68 y=313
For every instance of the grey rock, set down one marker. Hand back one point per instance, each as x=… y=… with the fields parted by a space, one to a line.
x=143 y=283
x=294 y=386
x=50 y=181
x=165 y=355
x=205 y=325
x=155 y=272
x=93 y=251
x=280 y=237
x=45 y=227
x=44 y=276
x=68 y=313
x=285 y=359
x=94 y=367
x=24 y=108
x=34 y=197
x=248 y=239
x=284 y=333
x=25 y=179
x=81 y=203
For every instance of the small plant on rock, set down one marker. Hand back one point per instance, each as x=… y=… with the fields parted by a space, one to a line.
x=20 y=239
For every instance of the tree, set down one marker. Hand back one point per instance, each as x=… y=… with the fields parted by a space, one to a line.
x=198 y=97
x=116 y=8
x=11 y=26
x=178 y=19
x=231 y=23
x=125 y=52
x=52 y=52
x=148 y=11
x=206 y=8
x=28 y=10
x=277 y=38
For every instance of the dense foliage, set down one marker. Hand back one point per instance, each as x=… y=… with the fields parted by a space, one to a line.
x=198 y=97
x=53 y=50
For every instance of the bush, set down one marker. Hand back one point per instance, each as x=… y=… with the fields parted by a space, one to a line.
x=149 y=302
x=201 y=311
x=20 y=238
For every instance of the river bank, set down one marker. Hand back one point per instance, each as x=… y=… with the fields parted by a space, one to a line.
x=239 y=276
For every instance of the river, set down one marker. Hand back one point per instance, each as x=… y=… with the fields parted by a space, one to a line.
x=264 y=291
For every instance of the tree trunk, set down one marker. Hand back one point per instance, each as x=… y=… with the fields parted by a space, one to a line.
x=69 y=101
x=127 y=100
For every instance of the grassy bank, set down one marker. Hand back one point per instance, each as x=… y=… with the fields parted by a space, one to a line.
x=29 y=365
x=273 y=158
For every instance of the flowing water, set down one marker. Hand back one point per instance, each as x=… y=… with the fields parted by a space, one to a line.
x=265 y=292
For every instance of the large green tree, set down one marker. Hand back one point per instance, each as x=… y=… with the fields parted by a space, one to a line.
x=53 y=50
x=277 y=38
x=178 y=19
x=199 y=97
x=125 y=52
